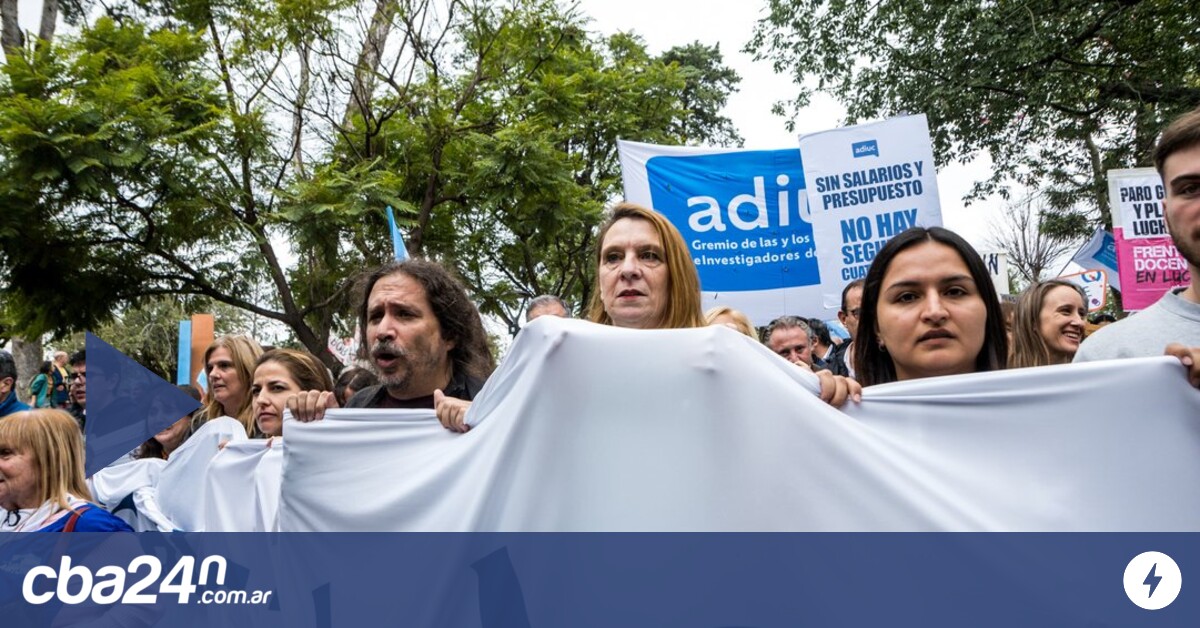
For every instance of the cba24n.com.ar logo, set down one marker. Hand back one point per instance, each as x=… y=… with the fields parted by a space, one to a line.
x=142 y=581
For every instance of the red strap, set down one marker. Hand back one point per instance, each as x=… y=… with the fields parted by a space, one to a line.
x=70 y=527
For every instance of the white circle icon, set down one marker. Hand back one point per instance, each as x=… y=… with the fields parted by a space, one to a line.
x=1152 y=580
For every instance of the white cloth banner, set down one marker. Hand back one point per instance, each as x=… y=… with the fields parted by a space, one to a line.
x=243 y=485
x=128 y=490
x=866 y=184
x=180 y=491
x=593 y=428
x=111 y=485
x=158 y=495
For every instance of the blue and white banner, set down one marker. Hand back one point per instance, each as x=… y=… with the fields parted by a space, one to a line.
x=865 y=184
x=744 y=217
x=183 y=365
x=1100 y=253
x=399 y=250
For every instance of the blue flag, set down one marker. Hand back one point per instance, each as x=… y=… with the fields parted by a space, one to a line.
x=1100 y=253
x=398 y=248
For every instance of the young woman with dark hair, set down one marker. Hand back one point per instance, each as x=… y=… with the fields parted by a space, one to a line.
x=929 y=308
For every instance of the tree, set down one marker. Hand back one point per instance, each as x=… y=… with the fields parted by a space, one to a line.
x=1056 y=93
x=243 y=153
x=1021 y=234
x=536 y=187
x=28 y=353
x=125 y=158
x=13 y=39
x=707 y=86
x=502 y=129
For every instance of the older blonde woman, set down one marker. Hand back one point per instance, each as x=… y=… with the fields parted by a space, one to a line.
x=42 y=486
x=229 y=366
x=645 y=279
x=731 y=318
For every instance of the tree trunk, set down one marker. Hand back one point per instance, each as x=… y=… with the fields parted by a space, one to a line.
x=49 y=20
x=11 y=37
x=28 y=356
x=317 y=343
x=1099 y=182
x=368 y=61
x=298 y=111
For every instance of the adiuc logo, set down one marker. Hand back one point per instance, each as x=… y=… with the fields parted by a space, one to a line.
x=743 y=214
x=865 y=149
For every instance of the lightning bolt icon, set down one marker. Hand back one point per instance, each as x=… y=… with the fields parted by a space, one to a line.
x=1152 y=580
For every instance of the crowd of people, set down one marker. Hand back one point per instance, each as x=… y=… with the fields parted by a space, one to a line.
x=926 y=308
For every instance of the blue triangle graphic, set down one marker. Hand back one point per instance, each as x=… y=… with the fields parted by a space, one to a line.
x=126 y=404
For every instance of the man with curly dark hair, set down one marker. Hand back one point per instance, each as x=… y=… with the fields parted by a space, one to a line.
x=423 y=337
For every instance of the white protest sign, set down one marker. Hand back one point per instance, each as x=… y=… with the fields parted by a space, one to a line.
x=1095 y=286
x=997 y=266
x=866 y=184
x=344 y=349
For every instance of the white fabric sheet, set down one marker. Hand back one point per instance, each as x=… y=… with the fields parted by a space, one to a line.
x=180 y=491
x=112 y=484
x=136 y=479
x=242 y=492
x=592 y=428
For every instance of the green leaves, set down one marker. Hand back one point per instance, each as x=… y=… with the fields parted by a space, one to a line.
x=529 y=163
x=213 y=151
x=339 y=194
x=1055 y=93
x=90 y=130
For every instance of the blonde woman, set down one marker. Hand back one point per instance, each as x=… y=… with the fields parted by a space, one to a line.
x=1048 y=324
x=645 y=277
x=229 y=367
x=731 y=318
x=42 y=486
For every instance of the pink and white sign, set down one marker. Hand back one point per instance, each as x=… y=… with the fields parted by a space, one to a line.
x=1147 y=260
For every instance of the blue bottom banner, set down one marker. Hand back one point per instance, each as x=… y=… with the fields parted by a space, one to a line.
x=550 y=580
